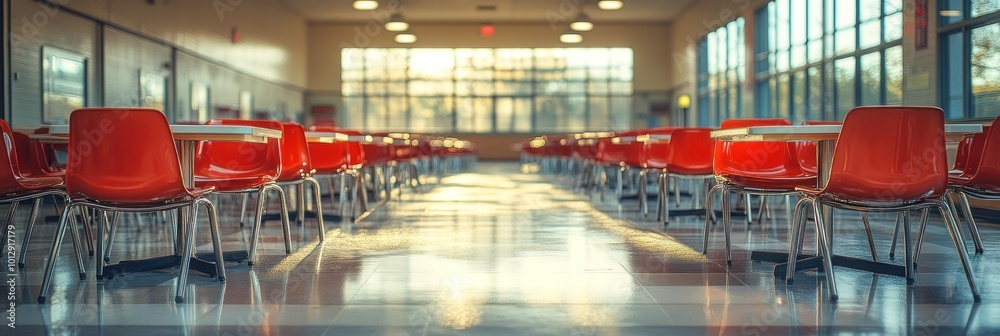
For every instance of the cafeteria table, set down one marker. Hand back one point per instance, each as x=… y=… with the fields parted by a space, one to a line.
x=826 y=137
x=187 y=138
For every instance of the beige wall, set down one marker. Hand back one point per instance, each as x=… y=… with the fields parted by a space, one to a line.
x=272 y=43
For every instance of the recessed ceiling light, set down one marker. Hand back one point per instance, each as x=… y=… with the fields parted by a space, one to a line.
x=396 y=23
x=405 y=38
x=582 y=23
x=610 y=4
x=365 y=4
x=571 y=37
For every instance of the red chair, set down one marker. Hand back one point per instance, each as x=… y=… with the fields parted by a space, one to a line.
x=806 y=152
x=873 y=169
x=244 y=168
x=16 y=187
x=329 y=160
x=688 y=155
x=356 y=161
x=131 y=166
x=639 y=157
x=297 y=171
x=979 y=178
x=765 y=168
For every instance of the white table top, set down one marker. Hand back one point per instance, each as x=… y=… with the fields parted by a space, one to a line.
x=331 y=137
x=205 y=133
x=641 y=138
x=954 y=132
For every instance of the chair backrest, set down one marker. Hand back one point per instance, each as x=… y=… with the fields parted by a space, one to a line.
x=890 y=154
x=295 y=161
x=805 y=151
x=9 y=172
x=240 y=159
x=654 y=154
x=122 y=156
x=356 y=154
x=755 y=158
x=28 y=163
x=975 y=151
x=986 y=174
x=691 y=151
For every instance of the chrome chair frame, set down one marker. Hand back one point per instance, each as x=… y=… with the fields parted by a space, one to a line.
x=300 y=207
x=37 y=196
x=188 y=244
x=826 y=247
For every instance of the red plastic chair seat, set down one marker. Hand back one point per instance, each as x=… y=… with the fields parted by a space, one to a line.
x=36 y=183
x=783 y=182
x=231 y=183
x=237 y=166
x=760 y=165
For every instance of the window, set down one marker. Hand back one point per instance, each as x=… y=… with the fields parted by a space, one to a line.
x=970 y=58
x=503 y=90
x=819 y=59
x=64 y=84
x=721 y=66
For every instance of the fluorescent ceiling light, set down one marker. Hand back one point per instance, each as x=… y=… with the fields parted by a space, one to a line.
x=365 y=4
x=571 y=37
x=396 y=23
x=610 y=4
x=582 y=23
x=406 y=38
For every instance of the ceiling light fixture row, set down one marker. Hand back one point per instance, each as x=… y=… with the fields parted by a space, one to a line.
x=583 y=23
x=396 y=22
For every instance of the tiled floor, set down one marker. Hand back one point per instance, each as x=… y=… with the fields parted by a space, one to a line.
x=495 y=251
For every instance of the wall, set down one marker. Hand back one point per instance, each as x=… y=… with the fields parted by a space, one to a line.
x=648 y=41
x=184 y=40
x=272 y=38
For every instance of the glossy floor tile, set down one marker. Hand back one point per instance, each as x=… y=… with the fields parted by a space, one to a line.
x=494 y=251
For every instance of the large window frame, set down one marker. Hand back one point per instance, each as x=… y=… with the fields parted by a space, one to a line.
x=955 y=33
x=813 y=67
x=721 y=72
x=488 y=90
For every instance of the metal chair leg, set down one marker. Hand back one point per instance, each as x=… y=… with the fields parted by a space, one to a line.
x=643 y=206
x=920 y=236
x=255 y=231
x=726 y=223
x=708 y=218
x=871 y=240
x=284 y=219
x=213 y=225
x=319 y=207
x=188 y=252
x=895 y=234
x=27 y=232
x=967 y=210
x=907 y=248
x=300 y=203
x=111 y=236
x=54 y=252
x=827 y=252
x=10 y=219
x=243 y=208
x=954 y=232
x=794 y=245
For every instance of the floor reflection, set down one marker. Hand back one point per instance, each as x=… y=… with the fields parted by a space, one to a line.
x=499 y=251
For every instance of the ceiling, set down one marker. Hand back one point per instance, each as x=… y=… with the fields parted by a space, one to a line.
x=447 y=11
